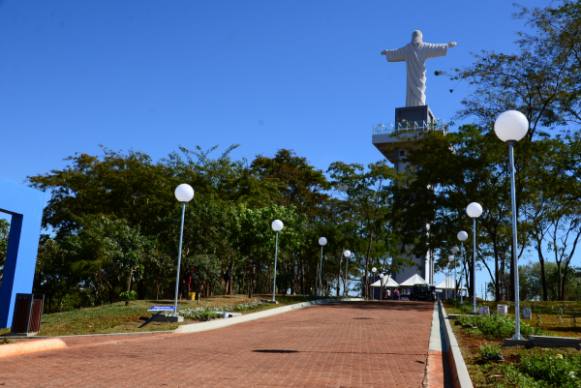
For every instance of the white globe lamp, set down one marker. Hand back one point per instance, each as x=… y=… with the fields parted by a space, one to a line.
x=474 y=210
x=277 y=225
x=184 y=193
x=511 y=126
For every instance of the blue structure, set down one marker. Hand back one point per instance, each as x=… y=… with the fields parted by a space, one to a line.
x=24 y=205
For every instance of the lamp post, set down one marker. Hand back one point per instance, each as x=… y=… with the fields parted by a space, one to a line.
x=381 y=277
x=184 y=193
x=322 y=243
x=346 y=254
x=474 y=210
x=510 y=127
x=455 y=251
x=452 y=258
x=462 y=236
x=373 y=270
x=276 y=226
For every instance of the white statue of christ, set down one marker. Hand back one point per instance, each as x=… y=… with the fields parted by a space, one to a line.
x=415 y=55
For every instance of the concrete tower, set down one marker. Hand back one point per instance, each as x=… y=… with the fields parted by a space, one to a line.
x=395 y=143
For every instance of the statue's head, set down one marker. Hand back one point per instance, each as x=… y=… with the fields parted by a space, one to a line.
x=417 y=38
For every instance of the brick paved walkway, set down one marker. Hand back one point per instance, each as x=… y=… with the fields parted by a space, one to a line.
x=344 y=345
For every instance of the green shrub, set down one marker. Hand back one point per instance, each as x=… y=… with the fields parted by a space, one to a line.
x=553 y=368
x=128 y=296
x=496 y=326
x=517 y=379
x=200 y=314
x=247 y=306
x=490 y=352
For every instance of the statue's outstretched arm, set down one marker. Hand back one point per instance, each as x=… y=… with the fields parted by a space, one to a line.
x=432 y=50
x=397 y=55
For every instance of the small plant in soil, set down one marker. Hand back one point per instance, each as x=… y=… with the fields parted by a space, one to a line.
x=490 y=353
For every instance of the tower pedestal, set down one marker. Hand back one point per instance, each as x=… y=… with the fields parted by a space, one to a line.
x=414 y=117
x=411 y=124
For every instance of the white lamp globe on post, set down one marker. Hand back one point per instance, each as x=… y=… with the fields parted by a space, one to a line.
x=347 y=255
x=474 y=210
x=184 y=193
x=322 y=243
x=276 y=226
x=373 y=271
x=462 y=236
x=510 y=127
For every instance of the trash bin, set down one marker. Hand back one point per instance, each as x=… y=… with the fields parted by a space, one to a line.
x=27 y=314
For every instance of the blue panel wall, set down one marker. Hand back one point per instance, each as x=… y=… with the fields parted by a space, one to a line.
x=25 y=206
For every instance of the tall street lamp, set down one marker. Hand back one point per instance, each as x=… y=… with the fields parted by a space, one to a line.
x=474 y=210
x=346 y=254
x=510 y=127
x=184 y=193
x=276 y=226
x=455 y=251
x=462 y=236
x=373 y=270
x=322 y=243
x=452 y=259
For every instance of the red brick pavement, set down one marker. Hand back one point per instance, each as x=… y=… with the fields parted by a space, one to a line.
x=344 y=345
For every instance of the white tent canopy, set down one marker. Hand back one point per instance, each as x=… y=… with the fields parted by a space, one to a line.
x=413 y=280
x=387 y=282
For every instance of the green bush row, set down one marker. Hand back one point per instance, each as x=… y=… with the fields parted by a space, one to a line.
x=496 y=326
x=200 y=314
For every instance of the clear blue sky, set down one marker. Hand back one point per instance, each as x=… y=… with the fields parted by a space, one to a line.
x=153 y=75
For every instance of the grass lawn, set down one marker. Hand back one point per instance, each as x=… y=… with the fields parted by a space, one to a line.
x=118 y=318
x=481 y=345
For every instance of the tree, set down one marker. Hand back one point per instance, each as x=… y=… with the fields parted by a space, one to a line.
x=542 y=80
x=363 y=207
x=4 y=231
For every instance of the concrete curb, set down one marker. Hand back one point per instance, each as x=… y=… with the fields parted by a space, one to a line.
x=31 y=346
x=220 y=323
x=458 y=370
x=434 y=372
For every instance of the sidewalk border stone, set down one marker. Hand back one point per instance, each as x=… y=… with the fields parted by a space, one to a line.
x=434 y=374
x=458 y=370
x=31 y=346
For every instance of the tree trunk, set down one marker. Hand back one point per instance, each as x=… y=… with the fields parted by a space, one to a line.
x=560 y=281
x=543 y=273
x=230 y=276
x=502 y=274
x=367 y=254
x=498 y=282
x=338 y=287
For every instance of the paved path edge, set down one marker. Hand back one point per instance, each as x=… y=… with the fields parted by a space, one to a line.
x=434 y=372
x=220 y=323
x=458 y=369
x=31 y=346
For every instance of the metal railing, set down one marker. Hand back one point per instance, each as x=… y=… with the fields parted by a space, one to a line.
x=408 y=127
